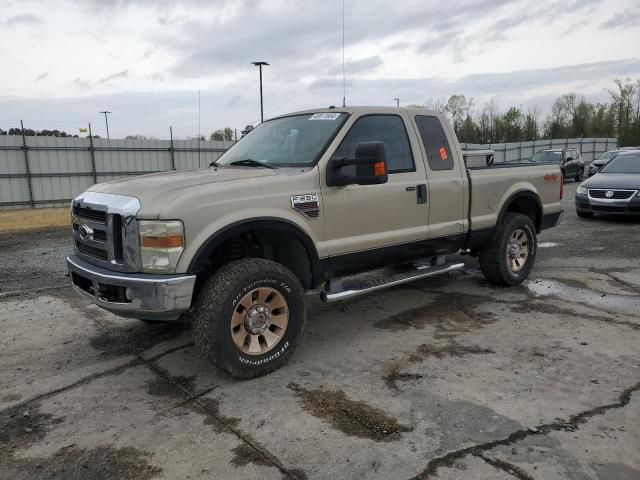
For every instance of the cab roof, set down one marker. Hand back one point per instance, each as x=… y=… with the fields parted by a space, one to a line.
x=365 y=110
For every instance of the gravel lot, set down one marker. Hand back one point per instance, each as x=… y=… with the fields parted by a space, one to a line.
x=445 y=377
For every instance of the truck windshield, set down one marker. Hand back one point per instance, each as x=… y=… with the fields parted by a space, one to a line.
x=547 y=157
x=293 y=141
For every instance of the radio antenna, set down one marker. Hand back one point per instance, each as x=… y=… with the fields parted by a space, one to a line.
x=344 y=81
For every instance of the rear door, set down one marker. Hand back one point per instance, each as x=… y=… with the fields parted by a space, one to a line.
x=366 y=217
x=445 y=176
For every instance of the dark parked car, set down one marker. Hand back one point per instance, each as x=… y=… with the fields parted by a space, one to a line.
x=615 y=189
x=569 y=159
x=601 y=161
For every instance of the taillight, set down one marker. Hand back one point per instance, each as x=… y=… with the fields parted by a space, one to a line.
x=561 y=186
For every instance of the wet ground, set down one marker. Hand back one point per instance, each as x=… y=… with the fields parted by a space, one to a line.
x=444 y=378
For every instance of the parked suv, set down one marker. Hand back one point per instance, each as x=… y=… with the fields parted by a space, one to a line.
x=569 y=159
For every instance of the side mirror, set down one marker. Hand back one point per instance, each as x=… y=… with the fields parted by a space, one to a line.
x=369 y=167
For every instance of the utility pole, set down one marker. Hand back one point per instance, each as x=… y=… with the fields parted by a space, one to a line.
x=106 y=120
x=397 y=102
x=259 y=65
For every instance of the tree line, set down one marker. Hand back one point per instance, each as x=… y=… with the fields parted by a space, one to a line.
x=37 y=133
x=571 y=116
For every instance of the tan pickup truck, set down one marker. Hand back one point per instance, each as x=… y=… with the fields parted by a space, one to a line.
x=305 y=202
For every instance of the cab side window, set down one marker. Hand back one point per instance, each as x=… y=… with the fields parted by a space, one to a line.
x=435 y=143
x=383 y=128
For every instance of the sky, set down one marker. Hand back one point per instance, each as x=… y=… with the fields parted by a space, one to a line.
x=62 y=62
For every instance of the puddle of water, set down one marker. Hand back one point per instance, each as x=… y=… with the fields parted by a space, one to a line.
x=625 y=304
x=547 y=244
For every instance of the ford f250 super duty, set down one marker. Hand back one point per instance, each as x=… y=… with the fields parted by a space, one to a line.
x=305 y=202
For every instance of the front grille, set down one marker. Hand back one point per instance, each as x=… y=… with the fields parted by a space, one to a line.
x=92 y=251
x=90 y=214
x=100 y=235
x=617 y=194
x=110 y=230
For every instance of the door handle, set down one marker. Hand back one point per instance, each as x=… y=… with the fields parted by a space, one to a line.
x=422 y=193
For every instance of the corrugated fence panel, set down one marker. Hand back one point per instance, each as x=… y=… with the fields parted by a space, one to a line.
x=14 y=191
x=11 y=155
x=60 y=168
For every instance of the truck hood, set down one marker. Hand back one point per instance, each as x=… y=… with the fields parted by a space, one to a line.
x=628 y=181
x=157 y=190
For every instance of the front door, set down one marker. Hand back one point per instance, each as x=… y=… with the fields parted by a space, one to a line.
x=366 y=218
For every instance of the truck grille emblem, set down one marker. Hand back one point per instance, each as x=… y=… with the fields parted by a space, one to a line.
x=308 y=204
x=85 y=232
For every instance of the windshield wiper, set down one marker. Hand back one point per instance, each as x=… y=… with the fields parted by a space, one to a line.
x=249 y=162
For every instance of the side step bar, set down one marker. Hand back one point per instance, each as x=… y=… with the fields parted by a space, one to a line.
x=386 y=280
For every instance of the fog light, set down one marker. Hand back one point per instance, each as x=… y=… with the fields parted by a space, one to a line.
x=127 y=294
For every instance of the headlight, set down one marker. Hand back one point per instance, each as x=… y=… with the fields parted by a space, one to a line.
x=581 y=190
x=161 y=244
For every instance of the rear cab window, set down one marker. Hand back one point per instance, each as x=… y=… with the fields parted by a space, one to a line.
x=434 y=140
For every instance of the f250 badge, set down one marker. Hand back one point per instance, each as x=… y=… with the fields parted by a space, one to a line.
x=307 y=204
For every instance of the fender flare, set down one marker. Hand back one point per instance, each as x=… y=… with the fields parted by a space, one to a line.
x=272 y=223
x=528 y=194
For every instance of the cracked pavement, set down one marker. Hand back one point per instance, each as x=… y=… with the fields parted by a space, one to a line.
x=445 y=378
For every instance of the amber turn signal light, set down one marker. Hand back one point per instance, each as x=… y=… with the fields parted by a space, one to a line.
x=172 y=241
x=379 y=169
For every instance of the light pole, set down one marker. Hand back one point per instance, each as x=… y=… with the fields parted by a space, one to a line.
x=259 y=65
x=106 y=120
x=397 y=102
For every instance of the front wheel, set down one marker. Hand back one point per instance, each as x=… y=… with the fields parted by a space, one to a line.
x=249 y=317
x=584 y=214
x=508 y=257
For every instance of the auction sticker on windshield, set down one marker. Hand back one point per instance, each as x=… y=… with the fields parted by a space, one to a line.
x=324 y=116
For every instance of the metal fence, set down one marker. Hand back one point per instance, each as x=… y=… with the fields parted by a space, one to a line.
x=590 y=148
x=50 y=171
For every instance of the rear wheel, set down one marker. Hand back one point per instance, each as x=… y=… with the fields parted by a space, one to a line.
x=579 y=176
x=249 y=317
x=508 y=258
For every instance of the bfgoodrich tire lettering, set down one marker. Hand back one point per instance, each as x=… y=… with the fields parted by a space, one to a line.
x=219 y=300
x=494 y=256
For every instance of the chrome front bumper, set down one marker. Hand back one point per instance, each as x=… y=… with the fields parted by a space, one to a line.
x=132 y=295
